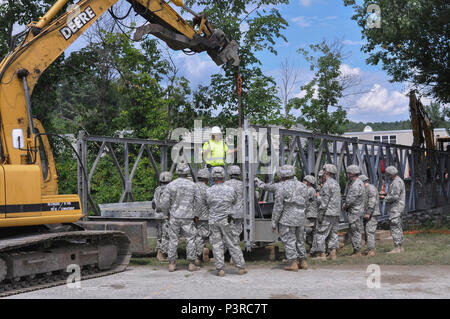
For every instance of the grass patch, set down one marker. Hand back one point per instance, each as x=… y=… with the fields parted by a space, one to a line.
x=423 y=248
x=420 y=249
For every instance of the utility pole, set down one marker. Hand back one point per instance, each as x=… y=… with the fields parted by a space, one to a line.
x=239 y=92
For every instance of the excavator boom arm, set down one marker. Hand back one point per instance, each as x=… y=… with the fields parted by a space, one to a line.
x=48 y=38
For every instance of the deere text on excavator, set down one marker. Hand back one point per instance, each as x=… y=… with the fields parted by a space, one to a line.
x=38 y=237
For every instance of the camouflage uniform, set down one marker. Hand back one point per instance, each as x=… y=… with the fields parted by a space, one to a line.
x=329 y=203
x=291 y=200
x=179 y=198
x=221 y=199
x=162 y=228
x=269 y=187
x=203 y=214
x=311 y=211
x=372 y=208
x=354 y=205
x=395 y=206
x=237 y=221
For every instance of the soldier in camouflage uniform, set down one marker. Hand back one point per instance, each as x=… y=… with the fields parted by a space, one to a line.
x=329 y=210
x=179 y=198
x=311 y=211
x=354 y=205
x=269 y=187
x=320 y=180
x=201 y=208
x=237 y=220
x=395 y=206
x=221 y=199
x=291 y=201
x=371 y=213
x=162 y=229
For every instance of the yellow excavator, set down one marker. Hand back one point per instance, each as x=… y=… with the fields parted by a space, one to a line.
x=38 y=237
x=421 y=124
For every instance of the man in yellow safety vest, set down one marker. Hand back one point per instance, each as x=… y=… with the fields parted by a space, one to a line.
x=215 y=150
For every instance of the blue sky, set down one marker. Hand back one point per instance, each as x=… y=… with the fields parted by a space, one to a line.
x=311 y=21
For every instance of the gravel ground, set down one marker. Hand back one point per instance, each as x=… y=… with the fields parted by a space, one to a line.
x=261 y=282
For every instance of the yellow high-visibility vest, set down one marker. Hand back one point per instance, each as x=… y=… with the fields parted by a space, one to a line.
x=218 y=152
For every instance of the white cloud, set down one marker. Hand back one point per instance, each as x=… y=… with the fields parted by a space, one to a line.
x=196 y=68
x=244 y=27
x=303 y=21
x=382 y=102
x=305 y=3
x=348 y=70
x=302 y=93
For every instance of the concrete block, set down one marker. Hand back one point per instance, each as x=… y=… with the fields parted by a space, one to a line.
x=382 y=234
x=136 y=232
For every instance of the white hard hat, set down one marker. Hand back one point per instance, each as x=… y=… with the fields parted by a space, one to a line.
x=216 y=130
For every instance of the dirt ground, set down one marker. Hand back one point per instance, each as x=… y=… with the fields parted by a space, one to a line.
x=422 y=271
x=263 y=281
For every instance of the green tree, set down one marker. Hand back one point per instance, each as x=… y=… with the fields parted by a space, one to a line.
x=412 y=42
x=439 y=115
x=14 y=12
x=323 y=91
x=265 y=25
x=378 y=126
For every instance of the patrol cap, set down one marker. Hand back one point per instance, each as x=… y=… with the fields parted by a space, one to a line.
x=353 y=169
x=330 y=168
x=363 y=178
x=286 y=171
x=310 y=179
x=218 y=172
x=234 y=170
x=391 y=170
x=203 y=173
x=165 y=177
x=183 y=169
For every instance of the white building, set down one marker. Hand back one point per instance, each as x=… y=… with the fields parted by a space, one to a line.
x=401 y=137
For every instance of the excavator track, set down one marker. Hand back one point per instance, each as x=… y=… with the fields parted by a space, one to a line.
x=40 y=261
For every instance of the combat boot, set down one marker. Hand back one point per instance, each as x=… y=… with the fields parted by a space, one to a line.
x=356 y=253
x=172 y=267
x=205 y=255
x=242 y=271
x=292 y=267
x=303 y=264
x=332 y=254
x=193 y=267
x=160 y=256
x=396 y=250
x=220 y=273
x=320 y=256
x=371 y=252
